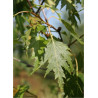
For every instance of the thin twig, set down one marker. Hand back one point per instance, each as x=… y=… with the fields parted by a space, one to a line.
x=44 y=15
x=58 y=30
x=40 y=7
x=27 y=65
x=28 y=92
x=38 y=17
x=75 y=40
x=30 y=5
x=31 y=94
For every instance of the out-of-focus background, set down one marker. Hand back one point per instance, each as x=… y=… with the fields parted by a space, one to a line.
x=40 y=86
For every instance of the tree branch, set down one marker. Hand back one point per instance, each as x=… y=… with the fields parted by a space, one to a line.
x=33 y=95
x=75 y=40
x=58 y=30
x=36 y=16
x=30 y=5
x=40 y=7
x=44 y=15
x=27 y=65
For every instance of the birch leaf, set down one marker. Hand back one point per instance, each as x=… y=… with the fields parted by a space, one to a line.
x=58 y=57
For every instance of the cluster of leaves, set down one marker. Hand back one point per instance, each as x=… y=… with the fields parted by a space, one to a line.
x=73 y=86
x=71 y=8
x=19 y=92
x=22 y=91
x=47 y=51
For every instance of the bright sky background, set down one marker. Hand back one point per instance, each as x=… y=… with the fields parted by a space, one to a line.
x=55 y=22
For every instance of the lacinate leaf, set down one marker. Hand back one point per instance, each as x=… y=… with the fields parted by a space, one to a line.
x=57 y=56
x=72 y=11
x=71 y=30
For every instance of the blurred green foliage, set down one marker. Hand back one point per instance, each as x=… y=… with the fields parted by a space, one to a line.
x=30 y=44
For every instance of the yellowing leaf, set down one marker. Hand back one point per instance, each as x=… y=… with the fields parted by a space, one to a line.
x=50 y=2
x=52 y=11
x=29 y=37
x=34 y=19
x=73 y=33
x=69 y=1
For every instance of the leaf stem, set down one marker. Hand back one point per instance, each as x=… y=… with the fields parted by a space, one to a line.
x=20 y=13
x=76 y=66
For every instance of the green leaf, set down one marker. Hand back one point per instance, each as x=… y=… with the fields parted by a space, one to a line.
x=72 y=11
x=20 y=22
x=38 y=43
x=25 y=19
x=64 y=33
x=78 y=1
x=69 y=28
x=20 y=5
x=57 y=55
x=26 y=38
x=21 y=90
x=34 y=19
x=82 y=3
x=51 y=7
x=16 y=41
x=41 y=28
x=36 y=64
x=73 y=86
x=81 y=76
x=50 y=2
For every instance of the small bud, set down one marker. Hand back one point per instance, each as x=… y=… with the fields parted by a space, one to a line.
x=59 y=29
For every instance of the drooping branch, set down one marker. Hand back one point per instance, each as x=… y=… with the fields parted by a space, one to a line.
x=75 y=41
x=27 y=65
x=38 y=17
